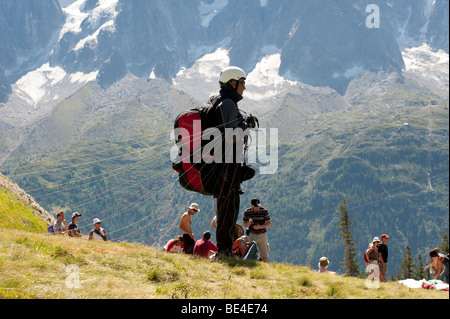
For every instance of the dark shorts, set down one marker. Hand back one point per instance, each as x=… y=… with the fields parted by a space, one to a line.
x=188 y=244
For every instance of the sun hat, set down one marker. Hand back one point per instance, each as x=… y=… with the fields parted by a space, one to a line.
x=376 y=239
x=323 y=262
x=194 y=206
x=96 y=221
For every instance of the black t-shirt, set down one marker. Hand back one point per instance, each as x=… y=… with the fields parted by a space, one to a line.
x=383 y=249
x=73 y=226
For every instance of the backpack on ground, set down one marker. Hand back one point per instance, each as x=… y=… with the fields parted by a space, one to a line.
x=252 y=252
x=51 y=230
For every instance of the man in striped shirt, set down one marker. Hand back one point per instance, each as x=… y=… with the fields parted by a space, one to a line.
x=257 y=219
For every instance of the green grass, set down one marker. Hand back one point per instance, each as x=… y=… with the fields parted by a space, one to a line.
x=14 y=214
x=35 y=265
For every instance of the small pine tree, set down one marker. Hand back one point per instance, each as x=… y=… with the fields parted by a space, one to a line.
x=419 y=273
x=408 y=266
x=350 y=263
x=393 y=277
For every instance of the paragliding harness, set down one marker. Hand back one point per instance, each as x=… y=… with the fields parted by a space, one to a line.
x=195 y=174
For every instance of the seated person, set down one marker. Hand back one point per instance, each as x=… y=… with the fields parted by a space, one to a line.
x=175 y=245
x=203 y=247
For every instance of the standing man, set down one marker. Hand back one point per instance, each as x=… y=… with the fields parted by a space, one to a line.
x=257 y=219
x=223 y=113
x=186 y=227
x=383 y=251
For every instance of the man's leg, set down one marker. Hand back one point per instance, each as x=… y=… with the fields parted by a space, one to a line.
x=227 y=214
x=188 y=244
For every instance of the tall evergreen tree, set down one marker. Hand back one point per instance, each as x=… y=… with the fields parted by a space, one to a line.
x=408 y=266
x=350 y=262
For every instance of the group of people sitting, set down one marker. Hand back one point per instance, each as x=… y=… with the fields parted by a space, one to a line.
x=60 y=227
x=204 y=247
x=253 y=245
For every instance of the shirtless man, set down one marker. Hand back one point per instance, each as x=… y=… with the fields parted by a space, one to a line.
x=186 y=227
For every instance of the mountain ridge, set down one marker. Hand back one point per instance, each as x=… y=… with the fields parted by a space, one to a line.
x=104 y=39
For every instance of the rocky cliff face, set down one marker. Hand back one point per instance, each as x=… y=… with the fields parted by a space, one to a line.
x=22 y=196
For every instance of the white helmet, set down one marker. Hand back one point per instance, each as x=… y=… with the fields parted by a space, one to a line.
x=231 y=73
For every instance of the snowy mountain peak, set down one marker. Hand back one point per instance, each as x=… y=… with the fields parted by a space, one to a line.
x=279 y=44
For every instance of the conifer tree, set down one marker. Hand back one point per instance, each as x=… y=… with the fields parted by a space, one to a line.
x=419 y=273
x=444 y=246
x=408 y=266
x=350 y=263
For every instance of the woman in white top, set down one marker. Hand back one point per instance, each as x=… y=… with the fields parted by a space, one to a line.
x=98 y=232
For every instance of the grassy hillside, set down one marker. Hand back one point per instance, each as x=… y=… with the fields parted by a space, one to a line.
x=105 y=153
x=35 y=265
x=23 y=217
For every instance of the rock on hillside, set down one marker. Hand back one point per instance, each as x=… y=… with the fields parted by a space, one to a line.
x=22 y=196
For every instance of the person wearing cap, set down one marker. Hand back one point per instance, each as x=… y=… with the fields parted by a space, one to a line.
x=98 y=232
x=73 y=229
x=373 y=256
x=257 y=219
x=203 y=247
x=383 y=251
x=372 y=253
x=186 y=227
